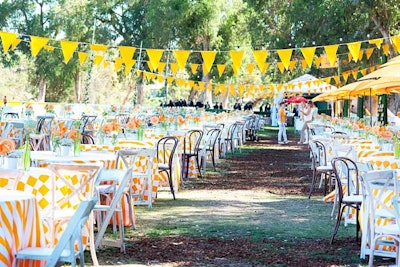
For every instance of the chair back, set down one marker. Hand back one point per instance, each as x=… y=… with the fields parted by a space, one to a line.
x=192 y=141
x=44 y=124
x=214 y=135
x=165 y=149
x=73 y=232
x=318 y=153
x=346 y=171
x=16 y=132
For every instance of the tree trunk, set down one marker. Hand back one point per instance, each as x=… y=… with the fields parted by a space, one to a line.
x=131 y=88
x=42 y=89
x=225 y=99
x=78 y=86
x=140 y=93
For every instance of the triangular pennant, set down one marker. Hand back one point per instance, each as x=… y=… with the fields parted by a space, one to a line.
x=354 y=72
x=368 y=52
x=128 y=66
x=363 y=72
x=376 y=42
x=354 y=49
x=154 y=57
x=82 y=57
x=97 y=60
x=285 y=56
x=48 y=48
x=106 y=63
x=396 y=42
x=349 y=56
x=241 y=89
x=160 y=78
x=194 y=68
x=232 y=90
x=250 y=68
x=98 y=47
x=151 y=68
x=336 y=78
x=126 y=53
x=385 y=48
x=328 y=80
x=15 y=43
x=260 y=56
x=318 y=61
x=202 y=86
x=174 y=68
x=191 y=84
x=346 y=75
x=360 y=55
x=181 y=57
x=264 y=68
x=161 y=67
x=117 y=64
x=208 y=60
x=281 y=67
x=170 y=80
x=331 y=51
x=37 y=43
x=292 y=65
x=7 y=39
x=68 y=49
x=237 y=57
x=279 y=87
x=303 y=64
x=308 y=54
x=221 y=69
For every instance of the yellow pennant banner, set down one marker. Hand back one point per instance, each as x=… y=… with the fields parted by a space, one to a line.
x=260 y=56
x=318 y=61
x=368 y=52
x=308 y=54
x=15 y=43
x=154 y=57
x=264 y=67
x=385 y=48
x=281 y=67
x=97 y=60
x=250 y=68
x=8 y=38
x=37 y=43
x=181 y=58
x=208 y=60
x=354 y=72
x=126 y=53
x=237 y=57
x=285 y=55
x=396 y=43
x=128 y=66
x=303 y=64
x=363 y=72
x=377 y=42
x=346 y=75
x=194 y=68
x=170 y=80
x=151 y=68
x=354 y=49
x=161 y=67
x=117 y=64
x=174 y=68
x=160 y=78
x=232 y=90
x=82 y=57
x=330 y=51
x=360 y=55
x=292 y=65
x=98 y=47
x=221 y=69
x=68 y=49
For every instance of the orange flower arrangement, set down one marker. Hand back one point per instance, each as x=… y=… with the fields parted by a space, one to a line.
x=111 y=126
x=161 y=118
x=196 y=119
x=72 y=134
x=386 y=134
x=6 y=146
x=133 y=123
x=28 y=106
x=170 y=119
x=68 y=109
x=181 y=120
x=154 y=120
x=60 y=130
x=49 y=107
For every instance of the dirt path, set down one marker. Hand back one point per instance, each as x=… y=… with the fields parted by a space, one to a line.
x=252 y=212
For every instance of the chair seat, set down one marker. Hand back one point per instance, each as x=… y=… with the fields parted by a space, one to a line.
x=163 y=166
x=353 y=199
x=388 y=229
x=40 y=253
x=324 y=168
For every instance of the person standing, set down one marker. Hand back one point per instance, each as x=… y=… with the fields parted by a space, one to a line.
x=282 y=124
x=5 y=100
x=306 y=114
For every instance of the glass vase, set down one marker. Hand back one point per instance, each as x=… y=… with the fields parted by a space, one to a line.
x=77 y=145
x=396 y=147
x=26 y=158
x=140 y=133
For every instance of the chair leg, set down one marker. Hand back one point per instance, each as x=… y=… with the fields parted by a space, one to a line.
x=171 y=185
x=213 y=159
x=312 y=184
x=338 y=220
x=198 y=159
x=187 y=167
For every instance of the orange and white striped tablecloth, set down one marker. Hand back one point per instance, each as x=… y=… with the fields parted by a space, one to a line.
x=20 y=226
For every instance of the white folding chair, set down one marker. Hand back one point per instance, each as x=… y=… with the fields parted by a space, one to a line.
x=64 y=251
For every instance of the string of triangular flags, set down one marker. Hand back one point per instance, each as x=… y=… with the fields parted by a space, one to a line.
x=126 y=54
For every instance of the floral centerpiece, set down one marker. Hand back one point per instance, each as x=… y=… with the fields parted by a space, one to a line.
x=28 y=109
x=49 y=108
x=68 y=111
x=59 y=137
x=111 y=130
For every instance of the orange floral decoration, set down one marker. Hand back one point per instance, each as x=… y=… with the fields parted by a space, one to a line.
x=170 y=119
x=49 y=107
x=6 y=145
x=28 y=106
x=111 y=126
x=60 y=130
x=386 y=134
x=154 y=120
x=161 y=118
x=72 y=134
x=196 y=119
x=68 y=108
x=181 y=120
x=133 y=123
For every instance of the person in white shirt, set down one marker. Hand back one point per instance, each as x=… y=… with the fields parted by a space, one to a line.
x=307 y=115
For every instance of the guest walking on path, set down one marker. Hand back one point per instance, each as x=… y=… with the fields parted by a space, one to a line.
x=282 y=124
x=306 y=114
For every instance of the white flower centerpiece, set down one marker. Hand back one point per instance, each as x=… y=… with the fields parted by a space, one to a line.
x=12 y=159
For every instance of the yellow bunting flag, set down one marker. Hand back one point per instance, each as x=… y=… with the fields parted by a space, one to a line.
x=318 y=61
x=117 y=64
x=15 y=43
x=285 y=56
x=37 y=43
x=368 y=52
x=170 y=80
x=237 y=57
x=194 y=68
x=396 y=43
x=202 y=86
x=7 y=38
x=82 y=57
x=151 y=68
x=360 y=55
x=303 y=64
x=48 y=48
x=331 y=51
x=281 y=67
x=208 y=60
x=264 y=68
x=241 y=89
x=292 y=65
x=308 y=54
x=154 y=57
x=161 y=66
x=260 y=56
x=328 y=80
x=354 y=72
x=181 y=58
x=191 y=84
x=345 y=75
x=106 y=63
x=349 y=56
x=279 y=87
x=126 y=53
x=68 y=49
x=354 y=49
x=363 y=72
x=250 y=68
x=376 y=42
x=232 y=90
x=98 y=47
x=174 y=68
x=97 y=60
x=128 y=65
x=160 y=78
x=221 y=69
x=385 y=48
x=336 y=78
